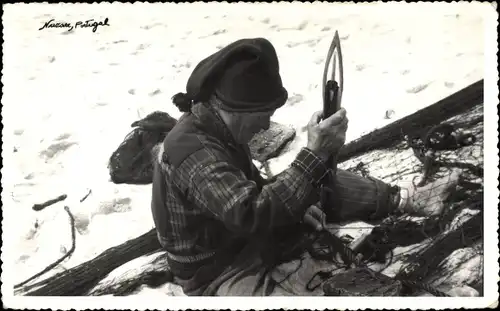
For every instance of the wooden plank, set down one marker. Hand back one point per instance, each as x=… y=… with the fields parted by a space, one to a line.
x=270 y=143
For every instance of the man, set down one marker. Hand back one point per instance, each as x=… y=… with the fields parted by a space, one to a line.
x=216 y=217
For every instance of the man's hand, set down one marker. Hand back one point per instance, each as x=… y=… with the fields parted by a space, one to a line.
x=327 y=137
x=315 y=218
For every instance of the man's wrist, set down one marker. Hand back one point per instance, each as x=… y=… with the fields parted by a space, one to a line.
x=321 y=155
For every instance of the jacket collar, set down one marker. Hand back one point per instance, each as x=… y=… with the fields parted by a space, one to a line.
x=211 y=122
x=207 y=119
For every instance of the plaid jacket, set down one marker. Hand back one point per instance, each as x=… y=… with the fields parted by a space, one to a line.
x=208 y=196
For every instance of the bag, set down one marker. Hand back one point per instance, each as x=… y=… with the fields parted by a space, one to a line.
x=132 y=161
x=362 y=282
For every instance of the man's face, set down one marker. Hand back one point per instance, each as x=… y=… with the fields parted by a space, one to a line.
x=245 y=125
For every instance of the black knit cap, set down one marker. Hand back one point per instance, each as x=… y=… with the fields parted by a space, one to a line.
x=244 y=75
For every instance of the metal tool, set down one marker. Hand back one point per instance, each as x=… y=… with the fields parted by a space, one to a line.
x=332 y=89
x=332 y=99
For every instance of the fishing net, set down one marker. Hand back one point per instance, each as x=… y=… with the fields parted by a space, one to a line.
x=438 y=148
x=443 y=142
x=439 y=152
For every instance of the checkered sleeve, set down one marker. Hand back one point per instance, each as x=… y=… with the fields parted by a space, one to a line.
x=220 y=188
x=311 y=165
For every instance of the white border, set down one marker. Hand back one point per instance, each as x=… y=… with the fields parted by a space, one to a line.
x=491 y=273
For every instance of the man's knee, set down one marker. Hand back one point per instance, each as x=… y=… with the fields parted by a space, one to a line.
x=358 y=197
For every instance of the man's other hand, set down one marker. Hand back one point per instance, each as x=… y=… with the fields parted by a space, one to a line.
x=315 y=218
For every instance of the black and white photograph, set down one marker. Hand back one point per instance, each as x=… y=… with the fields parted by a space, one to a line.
x=319 y=155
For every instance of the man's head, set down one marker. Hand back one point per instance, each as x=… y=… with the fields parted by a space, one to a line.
x=243 y=79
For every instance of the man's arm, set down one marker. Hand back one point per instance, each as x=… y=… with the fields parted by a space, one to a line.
x=219 y=187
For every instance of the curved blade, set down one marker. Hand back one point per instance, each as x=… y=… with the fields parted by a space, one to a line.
x=341 y=71
x=327 y=64
x=334 y=47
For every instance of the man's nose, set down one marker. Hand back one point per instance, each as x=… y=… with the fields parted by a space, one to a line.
x=266 y=124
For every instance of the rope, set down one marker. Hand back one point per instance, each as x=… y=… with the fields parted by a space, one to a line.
x=54 y=264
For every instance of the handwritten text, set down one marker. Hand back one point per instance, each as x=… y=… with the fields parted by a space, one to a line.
x=80 y=24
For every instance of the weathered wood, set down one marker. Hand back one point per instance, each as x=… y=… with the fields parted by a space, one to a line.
x=386 y=136
x=151 y=270
x=269 y=144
